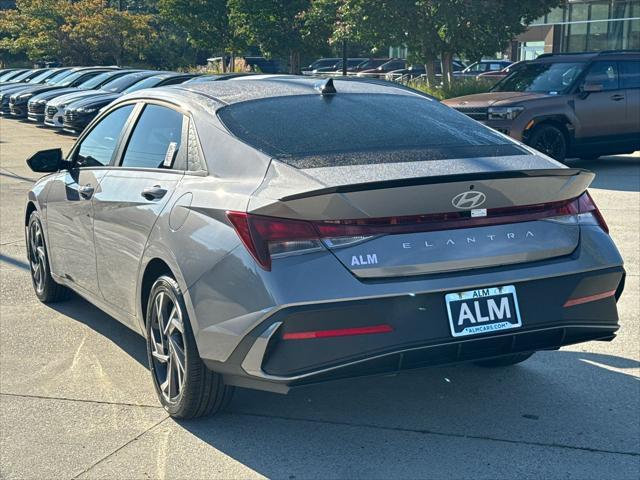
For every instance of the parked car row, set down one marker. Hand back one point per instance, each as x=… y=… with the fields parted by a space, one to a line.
x=362 y=67
x=68 y=98
x=399 y=69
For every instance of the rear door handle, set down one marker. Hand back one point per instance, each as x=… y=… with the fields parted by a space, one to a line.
x=86 y=191
x=154 y=193
x=617 y=98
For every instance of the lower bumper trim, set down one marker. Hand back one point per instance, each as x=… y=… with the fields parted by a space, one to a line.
x=591 y=298
x=550 y=338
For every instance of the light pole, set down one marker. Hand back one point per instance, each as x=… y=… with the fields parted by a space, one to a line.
x=344 y=57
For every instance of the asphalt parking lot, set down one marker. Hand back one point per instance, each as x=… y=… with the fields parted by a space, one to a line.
x=76 y=398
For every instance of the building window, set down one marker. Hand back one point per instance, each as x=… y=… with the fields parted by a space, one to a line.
x=577 y=29
x=555 y=16
x=531 y=50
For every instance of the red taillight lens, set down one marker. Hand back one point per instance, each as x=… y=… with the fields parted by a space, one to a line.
x=341 y=332
x=586 y=205
x=265 y=237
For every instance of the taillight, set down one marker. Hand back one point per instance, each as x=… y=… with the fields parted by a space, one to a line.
x=269 y=237
x=588 y=212
x=266 y=237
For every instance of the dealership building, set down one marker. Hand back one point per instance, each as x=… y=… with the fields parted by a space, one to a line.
x=582 y=26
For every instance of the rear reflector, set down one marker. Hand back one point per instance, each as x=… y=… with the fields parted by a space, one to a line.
x=267 y=236
x=591 y=298
x=343 y=332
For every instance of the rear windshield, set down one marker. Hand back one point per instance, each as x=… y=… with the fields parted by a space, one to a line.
x=309 y=131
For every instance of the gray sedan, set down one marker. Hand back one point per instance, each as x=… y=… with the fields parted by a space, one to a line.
x=275 y=231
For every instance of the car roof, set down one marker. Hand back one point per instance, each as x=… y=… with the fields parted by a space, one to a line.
x=587 y=56
x=163 y=75
x=257 y=87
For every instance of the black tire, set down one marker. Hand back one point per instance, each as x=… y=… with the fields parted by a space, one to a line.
x=549 y=140
x=46 y=288
x=192 y=391
x=505 y=361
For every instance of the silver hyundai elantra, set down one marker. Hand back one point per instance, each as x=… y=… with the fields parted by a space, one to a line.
x=274 y=231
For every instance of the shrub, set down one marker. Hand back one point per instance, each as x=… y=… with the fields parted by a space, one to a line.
x=458 y=88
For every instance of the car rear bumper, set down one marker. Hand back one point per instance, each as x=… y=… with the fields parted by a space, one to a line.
x=277 y=354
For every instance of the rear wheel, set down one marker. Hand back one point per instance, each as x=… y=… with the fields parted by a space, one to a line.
x=185 y=386
x=505 y=361
x=47 y=290
x=549 y=140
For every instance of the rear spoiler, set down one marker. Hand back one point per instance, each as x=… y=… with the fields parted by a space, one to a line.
x=461 y=177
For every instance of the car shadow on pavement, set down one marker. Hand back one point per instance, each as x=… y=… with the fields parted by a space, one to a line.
x=84 y=312
x=620 y=172
x=566 y=400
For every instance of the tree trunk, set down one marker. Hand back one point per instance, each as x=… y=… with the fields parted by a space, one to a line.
x=447 y=69
x=430 y=70
x=294 y=62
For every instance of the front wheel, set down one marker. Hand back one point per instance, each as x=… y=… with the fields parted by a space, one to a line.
x=185 y=386
x=549 y=140
x=504 y=361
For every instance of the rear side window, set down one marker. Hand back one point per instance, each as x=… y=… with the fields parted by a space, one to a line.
x=605 y=74
x=309 y=131
x=630 y=74
x=98 y=146
x=155 y=140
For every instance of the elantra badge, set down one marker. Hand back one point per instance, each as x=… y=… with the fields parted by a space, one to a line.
x=468 y=200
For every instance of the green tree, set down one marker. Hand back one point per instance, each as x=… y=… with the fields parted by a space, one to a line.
x=101 y=34
x=477 y=28
x=35 y=28
x=281 y=28
x=433 y=29
x=205 y=22
x=76 y=32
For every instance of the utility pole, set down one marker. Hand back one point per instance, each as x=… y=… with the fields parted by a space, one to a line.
x=344 y=57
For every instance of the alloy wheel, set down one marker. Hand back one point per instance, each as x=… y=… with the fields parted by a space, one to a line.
x=551 y=143
x=37 y=256
x=168 y=345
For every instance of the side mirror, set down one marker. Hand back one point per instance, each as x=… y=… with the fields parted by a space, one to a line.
x=47 y=161
x=592 y=87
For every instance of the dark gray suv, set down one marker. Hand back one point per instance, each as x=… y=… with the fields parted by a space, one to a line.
x=583 y=105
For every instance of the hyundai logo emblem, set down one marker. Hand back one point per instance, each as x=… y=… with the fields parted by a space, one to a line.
x=468 y=200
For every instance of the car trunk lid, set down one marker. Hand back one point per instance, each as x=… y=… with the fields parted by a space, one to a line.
x=427 y=224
